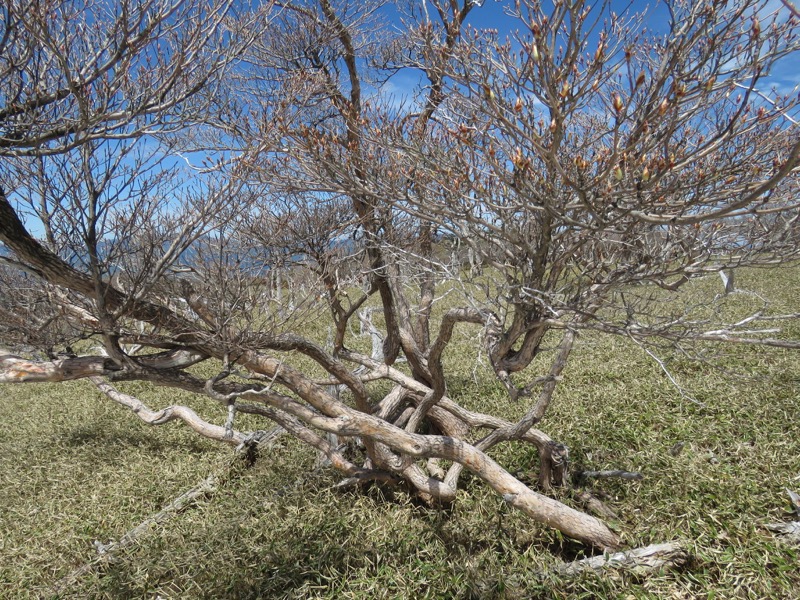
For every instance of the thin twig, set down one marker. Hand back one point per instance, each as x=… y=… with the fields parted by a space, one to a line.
x=678 y=386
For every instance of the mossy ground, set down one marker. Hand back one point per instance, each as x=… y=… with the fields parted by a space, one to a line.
x=75 y=468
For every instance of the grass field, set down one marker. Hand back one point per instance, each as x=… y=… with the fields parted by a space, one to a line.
x=75 y=468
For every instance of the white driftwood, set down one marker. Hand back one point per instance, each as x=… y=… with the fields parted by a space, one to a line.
x=648 y=558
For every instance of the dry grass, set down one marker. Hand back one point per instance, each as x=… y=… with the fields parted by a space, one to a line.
x=75 y=468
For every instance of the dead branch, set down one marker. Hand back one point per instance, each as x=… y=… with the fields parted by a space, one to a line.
x=171 y=413
x=595 y=505
x=640 y=560
x=789 y=532
x=629 y=475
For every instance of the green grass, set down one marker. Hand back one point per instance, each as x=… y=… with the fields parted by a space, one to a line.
x=75 y=468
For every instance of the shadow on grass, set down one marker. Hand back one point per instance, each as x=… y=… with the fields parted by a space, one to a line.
x=109 y=438
x=314 y=568
x=249 y=555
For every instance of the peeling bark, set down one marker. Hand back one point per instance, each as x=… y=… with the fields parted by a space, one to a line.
x=14 y=369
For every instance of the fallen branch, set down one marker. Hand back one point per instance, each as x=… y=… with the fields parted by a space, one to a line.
x=790 y=532
x=649 y=558
x=15 y=369
x=595 y=505
x=794 y=498
x=630 y=475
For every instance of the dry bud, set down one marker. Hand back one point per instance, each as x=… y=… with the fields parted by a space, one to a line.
x=616 y=101
x=598 y=56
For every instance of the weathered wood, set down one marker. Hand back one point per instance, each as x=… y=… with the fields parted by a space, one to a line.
x=15 y=369
x=595 y=505
x=648 y=558
x=790 y=532
x=794 y=498
x=171 y=413
x=629 y=475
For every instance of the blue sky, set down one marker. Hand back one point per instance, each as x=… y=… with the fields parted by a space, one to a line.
x=492 y=14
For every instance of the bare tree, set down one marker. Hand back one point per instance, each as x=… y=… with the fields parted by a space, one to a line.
x=593 y=164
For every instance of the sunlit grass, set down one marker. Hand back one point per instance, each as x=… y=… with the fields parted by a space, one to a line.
x=75 y=468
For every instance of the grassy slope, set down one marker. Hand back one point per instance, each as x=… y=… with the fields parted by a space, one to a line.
x=75 y=468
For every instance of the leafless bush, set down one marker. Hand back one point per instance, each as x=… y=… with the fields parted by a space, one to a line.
x=200 y=183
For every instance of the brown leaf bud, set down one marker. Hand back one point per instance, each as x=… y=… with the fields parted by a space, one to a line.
x=598 y=56
x=616 y=101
